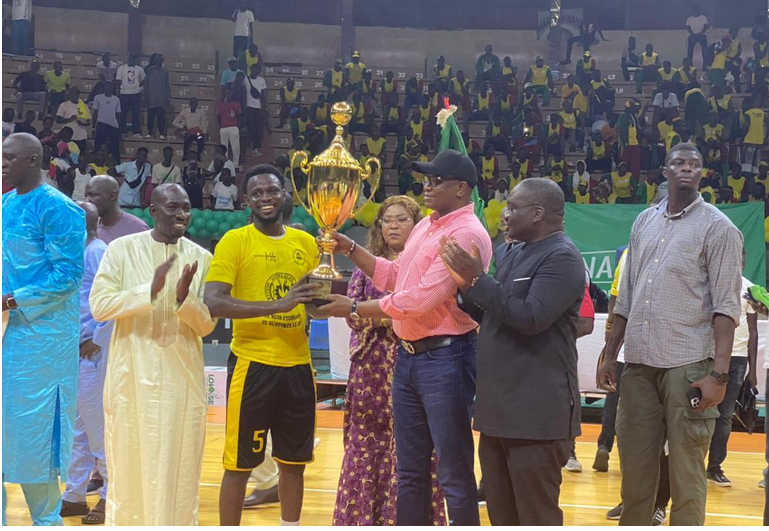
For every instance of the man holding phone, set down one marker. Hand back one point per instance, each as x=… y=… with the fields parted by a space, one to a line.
x=678 y=306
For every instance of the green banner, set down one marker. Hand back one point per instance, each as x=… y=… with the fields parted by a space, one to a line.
x=599 y=230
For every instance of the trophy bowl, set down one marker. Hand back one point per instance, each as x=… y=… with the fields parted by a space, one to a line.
x=334 y=182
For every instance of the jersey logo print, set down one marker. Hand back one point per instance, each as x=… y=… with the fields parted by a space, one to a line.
x=267 y=256
x=278 y=285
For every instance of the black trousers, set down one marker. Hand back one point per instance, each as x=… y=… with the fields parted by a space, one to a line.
x=254 y=126
x=160 y=114
x=131 y=103
x=106 y=134
x=190 y=138
x=692 y=41
x=522 y=479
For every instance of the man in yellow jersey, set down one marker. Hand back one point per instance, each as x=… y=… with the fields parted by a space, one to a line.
x=300 y=122
x=665 y=75
x=355 y=69
x=623 y=184
x=737 y=181
x=585 y=68
x=377 y=145
x=630 y=128
x=335 y=80
x=387 y=86
x=685 y=78
x=483 y=102
x=250 y=56
x=442 y=73
x=570 y=88
x=755 y=138
x=649 y=63
x=319 y=112
x=717 y=72
x=498 y=135
x=541 y=79
x=257 y=278
x=509 y=80
x=581 y=194
x=290 y=99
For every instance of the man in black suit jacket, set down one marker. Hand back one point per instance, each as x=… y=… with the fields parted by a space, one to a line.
x=527 y=405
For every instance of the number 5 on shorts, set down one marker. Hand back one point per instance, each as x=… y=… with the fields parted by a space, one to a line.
x=258 y=441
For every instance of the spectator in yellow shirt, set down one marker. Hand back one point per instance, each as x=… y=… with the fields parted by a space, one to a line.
x=56 y=83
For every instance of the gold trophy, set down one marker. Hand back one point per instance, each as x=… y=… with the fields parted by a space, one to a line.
x=334 y=181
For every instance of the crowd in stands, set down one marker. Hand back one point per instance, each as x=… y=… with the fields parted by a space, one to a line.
x=620 y=147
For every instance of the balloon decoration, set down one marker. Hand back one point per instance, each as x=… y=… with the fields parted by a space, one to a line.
x=493 y=214
x=367 y=214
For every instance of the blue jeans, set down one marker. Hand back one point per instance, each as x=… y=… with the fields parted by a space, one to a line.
x=21 y=37
x=433 y=395
x=717 y=454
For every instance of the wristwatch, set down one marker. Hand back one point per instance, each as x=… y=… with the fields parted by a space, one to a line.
x=354 y=315
x=722 y=378
x=10 y=302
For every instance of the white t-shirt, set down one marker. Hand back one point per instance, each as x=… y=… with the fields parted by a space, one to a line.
x=697 y=23
x=21 y=10
x=81 y=179
x=741 y=333
x=665 y=103
x=8 y=128
x=242 y=20
x=67 y=109
x=259 y=84
x=229 y=165
x=164 y=175
x=225 y=196
x=130 y=78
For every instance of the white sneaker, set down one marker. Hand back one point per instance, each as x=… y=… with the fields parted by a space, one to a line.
x=573 y=465
x=256 y=153
x=162 y=137
x=137 y=135
x=762 y=484
x=316 y=443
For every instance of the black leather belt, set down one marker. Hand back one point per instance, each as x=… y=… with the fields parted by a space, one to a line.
x=435 y=342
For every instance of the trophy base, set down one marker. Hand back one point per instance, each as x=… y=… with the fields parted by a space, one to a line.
x=328 y=287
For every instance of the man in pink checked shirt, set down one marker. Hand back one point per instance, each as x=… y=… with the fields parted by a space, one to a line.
x=434 y=376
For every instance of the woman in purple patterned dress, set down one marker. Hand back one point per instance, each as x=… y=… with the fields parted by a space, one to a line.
x=368 y=482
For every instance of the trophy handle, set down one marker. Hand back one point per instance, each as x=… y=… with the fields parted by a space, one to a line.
x=306 y=169
x=374 y=177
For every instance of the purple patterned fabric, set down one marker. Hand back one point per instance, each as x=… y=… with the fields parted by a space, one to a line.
x=368 y=482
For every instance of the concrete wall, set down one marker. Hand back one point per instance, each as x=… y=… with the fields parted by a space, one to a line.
x=320 y=44
x=80 y=30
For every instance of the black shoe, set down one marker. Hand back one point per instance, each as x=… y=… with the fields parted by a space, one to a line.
x=481 y=494
x=615 y=513
x=94 y=486
x=716 y=475
x=658 y=518
x=261 y=497
x=601 y=462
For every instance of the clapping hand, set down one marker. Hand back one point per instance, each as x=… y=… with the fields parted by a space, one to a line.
x=183 y=285
x=159 y=280
x=462 y=266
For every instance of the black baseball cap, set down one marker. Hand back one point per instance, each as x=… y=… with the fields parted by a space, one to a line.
x=449 y=164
